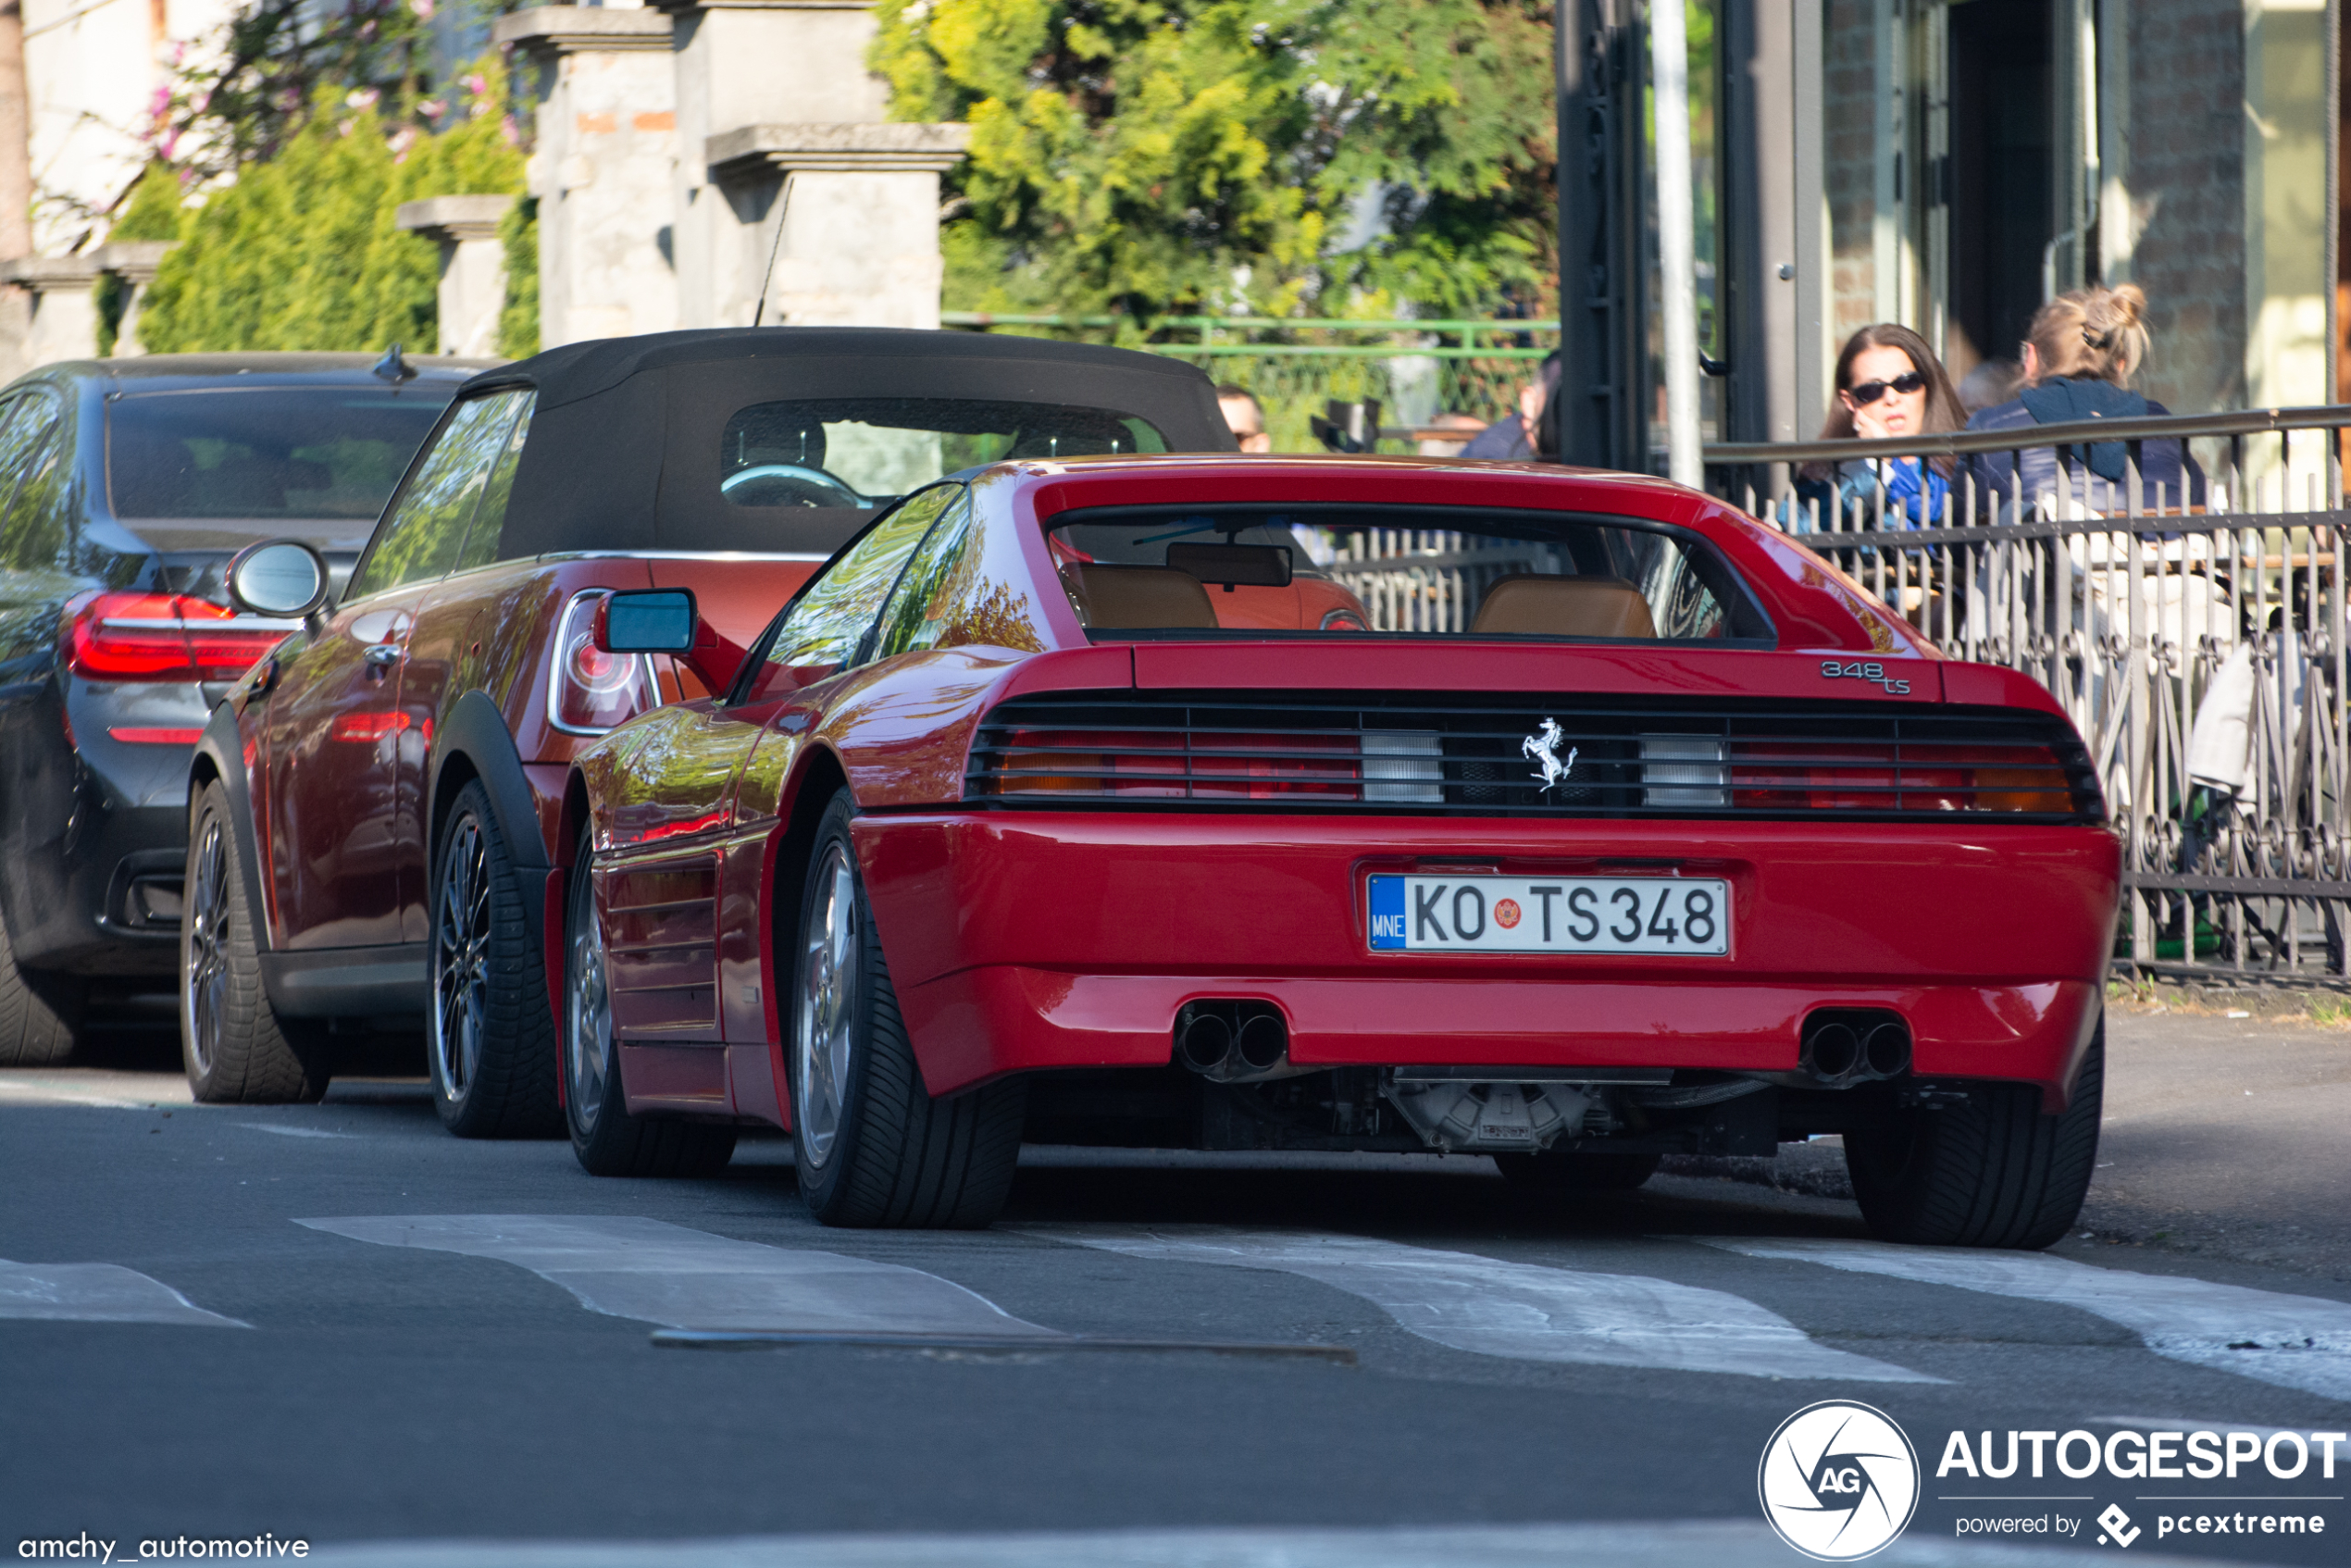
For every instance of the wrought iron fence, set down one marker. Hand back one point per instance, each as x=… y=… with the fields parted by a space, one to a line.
x=1416 y=370
x=2177 y=582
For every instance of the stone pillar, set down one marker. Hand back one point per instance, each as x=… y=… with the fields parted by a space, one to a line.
x=64 y=308
x=859 y=245
x=771 y=87
x=136 y=263
x=473 y=266
x=603 y=170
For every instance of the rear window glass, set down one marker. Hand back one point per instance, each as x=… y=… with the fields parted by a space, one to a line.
x=264 y=451
x=1147 y=573
x=869 y=451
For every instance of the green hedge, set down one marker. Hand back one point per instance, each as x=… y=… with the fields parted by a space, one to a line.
x=302 y=252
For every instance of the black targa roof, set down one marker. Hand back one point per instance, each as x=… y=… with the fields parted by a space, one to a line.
x=623 y=451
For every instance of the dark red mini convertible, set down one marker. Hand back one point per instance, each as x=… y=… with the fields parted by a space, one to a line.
x=1339 y=804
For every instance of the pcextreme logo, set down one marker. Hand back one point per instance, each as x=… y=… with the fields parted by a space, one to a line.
x=1839 y=1481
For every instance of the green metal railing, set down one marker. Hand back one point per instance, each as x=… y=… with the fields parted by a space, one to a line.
x=1294 y=364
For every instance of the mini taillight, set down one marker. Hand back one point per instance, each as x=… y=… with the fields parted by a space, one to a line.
x=589 y=690
x=162 y=637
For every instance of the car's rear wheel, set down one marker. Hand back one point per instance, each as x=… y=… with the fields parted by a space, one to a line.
x=235 y=1046
x=40 y=1015
x=873 y=1147
x=491 y=1042
x=1577 y=1173
x=1993 y=1172
x=609 y=1140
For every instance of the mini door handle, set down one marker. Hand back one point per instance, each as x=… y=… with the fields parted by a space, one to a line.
x=383 y=653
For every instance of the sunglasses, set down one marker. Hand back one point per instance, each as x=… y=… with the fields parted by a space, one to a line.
x=1870 y=391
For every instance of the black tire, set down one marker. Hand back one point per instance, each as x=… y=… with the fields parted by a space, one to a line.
x=1577 y=1173
x=490 y=1041
x=235 y=1046
x=40 y=1015
x=608 y=1141
x=1993 y=1173
x=883 y=1152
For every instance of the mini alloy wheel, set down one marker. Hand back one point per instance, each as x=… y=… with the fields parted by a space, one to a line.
x=460 y=968
x=233 y=1044
x=490 y=1036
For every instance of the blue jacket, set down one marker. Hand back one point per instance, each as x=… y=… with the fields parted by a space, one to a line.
x=2097 y=475
x=1854 y=497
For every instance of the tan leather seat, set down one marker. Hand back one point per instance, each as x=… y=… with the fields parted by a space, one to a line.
x=1140 y=598
x=1533 y=605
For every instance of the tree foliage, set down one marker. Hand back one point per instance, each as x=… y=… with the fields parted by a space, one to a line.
x=302 y=252
x=1238 y=155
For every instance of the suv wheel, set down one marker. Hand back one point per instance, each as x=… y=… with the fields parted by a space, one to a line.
x=234 y=1045
x=40 y=1015
x=490 y=1041
x=609 y=1140
x=1992 y=1172
x=872 y=1146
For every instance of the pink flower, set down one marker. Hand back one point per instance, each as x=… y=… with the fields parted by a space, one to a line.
x=362 y=97
x=432 y=108
x=477 y=84
x=423 y=9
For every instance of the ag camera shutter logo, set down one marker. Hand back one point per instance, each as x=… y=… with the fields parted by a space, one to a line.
x=1839 y=1481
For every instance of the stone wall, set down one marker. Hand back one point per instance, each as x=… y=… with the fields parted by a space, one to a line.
x=2187 y=183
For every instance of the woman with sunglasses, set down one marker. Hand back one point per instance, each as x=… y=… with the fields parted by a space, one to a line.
x=1890 y=386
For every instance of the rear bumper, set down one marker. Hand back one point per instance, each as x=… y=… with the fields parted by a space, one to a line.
x=1026 y=941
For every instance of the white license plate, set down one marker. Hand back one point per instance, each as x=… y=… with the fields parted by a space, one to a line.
x=1667 y=914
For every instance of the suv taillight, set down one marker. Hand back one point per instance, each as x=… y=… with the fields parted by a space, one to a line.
x=163 y=637
x=589 y=690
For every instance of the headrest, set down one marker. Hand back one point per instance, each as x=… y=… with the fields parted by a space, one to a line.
x=1138 y=598
x=1532 y=605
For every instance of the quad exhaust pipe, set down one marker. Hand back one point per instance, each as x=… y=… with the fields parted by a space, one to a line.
x=1233 y=1041
x=1857 y=1045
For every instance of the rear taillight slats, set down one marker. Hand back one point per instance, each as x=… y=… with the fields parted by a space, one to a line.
x=1510 y=757
x=129 y=636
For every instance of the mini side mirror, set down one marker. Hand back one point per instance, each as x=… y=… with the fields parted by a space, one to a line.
x=279 y=577
x=648 y=620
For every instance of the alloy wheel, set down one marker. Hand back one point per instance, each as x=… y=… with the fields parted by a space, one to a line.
x=588 y=1040
x=205 y=990
x=461 y=958
x=827 y=1007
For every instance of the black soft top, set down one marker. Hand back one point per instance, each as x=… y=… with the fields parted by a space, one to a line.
x=623 y=451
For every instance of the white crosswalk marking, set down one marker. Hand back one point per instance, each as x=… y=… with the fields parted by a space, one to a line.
x=666 y=1274
x=2294 y=1341
x=1521 y=1311
x=97 y=1293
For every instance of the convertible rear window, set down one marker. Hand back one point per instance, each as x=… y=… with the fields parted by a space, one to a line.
x=1143 y=573
x=264 y=451
x=869 y=451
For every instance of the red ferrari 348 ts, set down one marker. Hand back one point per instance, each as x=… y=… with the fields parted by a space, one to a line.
x=1337 y=803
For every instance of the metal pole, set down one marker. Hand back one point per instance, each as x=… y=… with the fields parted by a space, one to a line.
x=1676 y=242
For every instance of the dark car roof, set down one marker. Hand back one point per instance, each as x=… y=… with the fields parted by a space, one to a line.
x=162 y=372
x=623 y=451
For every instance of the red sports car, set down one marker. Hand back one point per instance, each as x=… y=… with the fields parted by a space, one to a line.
x=1339 y=804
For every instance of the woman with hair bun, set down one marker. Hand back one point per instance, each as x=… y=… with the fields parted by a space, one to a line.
x=1889 y=386
x=2079 y=355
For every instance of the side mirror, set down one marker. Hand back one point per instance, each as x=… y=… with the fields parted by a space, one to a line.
x=279 y=577
x=647 y=620
x=665 y=620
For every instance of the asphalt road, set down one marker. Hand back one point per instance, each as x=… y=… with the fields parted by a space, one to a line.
x=337 y=1324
